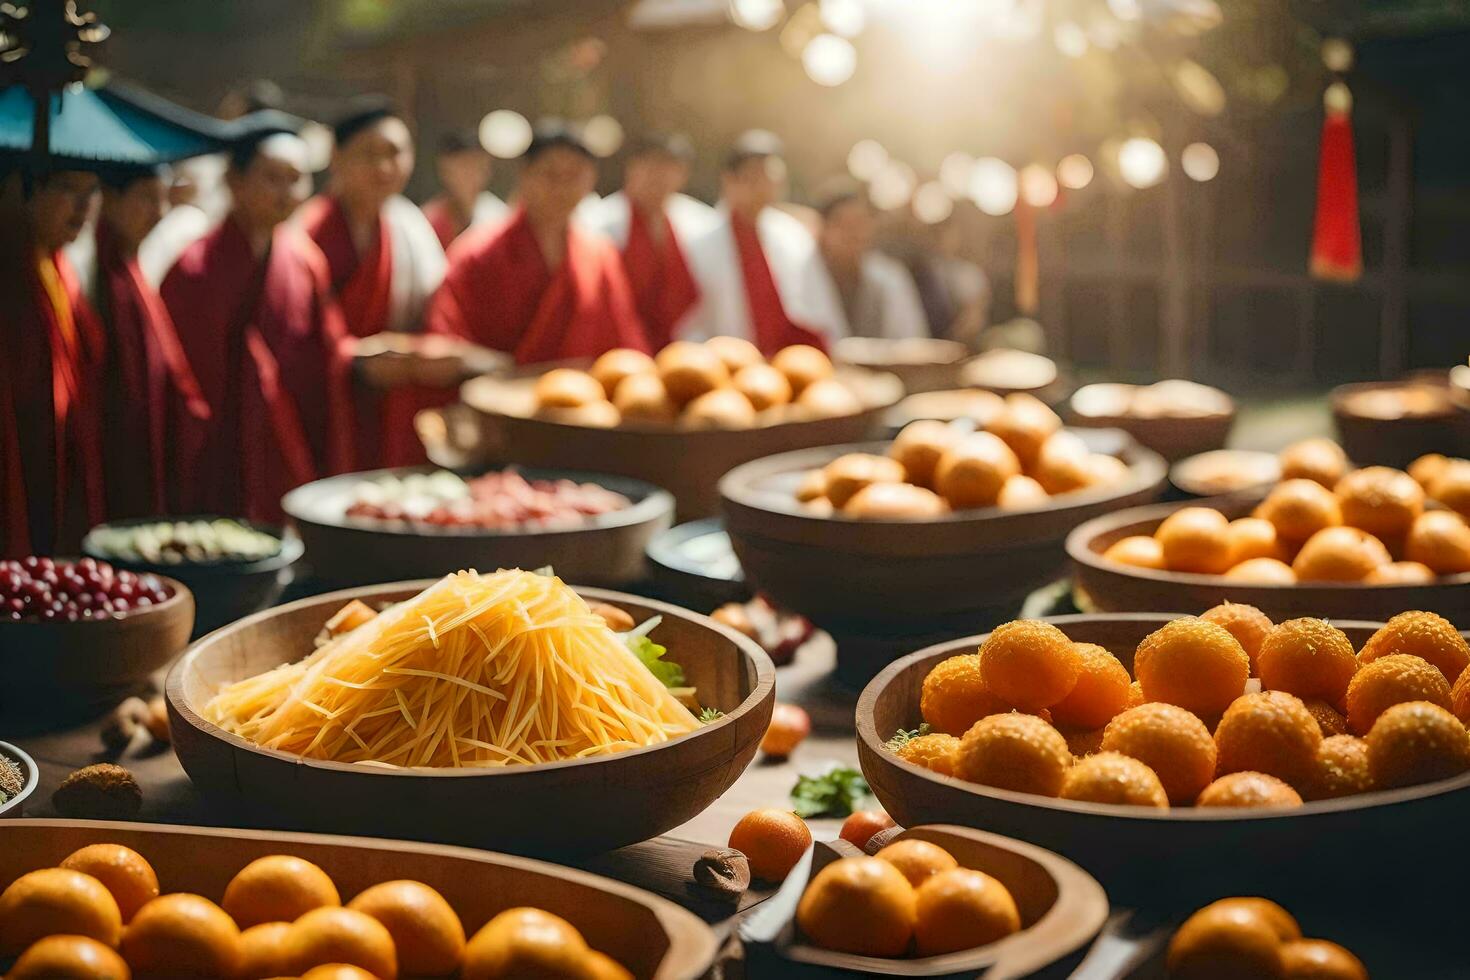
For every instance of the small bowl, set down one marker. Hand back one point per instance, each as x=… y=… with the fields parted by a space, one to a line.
x=560 y=808
x=1173 y=437
x=16 y=805
x=694 y=564
x=604 y=550
x=223 y=590
x=1372 y=440
x=1005 y=371
x=921 y=363
x=1222 y=471
x=51 y=669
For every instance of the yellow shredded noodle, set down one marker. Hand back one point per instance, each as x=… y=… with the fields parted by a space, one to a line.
x=477 y=670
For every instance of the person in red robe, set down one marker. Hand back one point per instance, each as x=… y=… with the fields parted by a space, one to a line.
x=268 y=343
x=51 y=477
x=538 y=287
x=649 y=220
x=383 y=257
x=149 y=389
x=463 y=168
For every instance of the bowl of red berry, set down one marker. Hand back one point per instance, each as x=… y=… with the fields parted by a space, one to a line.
x=82 y=633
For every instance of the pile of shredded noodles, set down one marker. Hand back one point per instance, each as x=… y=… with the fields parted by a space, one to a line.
x=477 y=670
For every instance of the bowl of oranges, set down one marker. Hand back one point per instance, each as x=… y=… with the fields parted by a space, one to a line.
x=1199 y=750
x=84 y=899
x=941 y=522
x=934 y=901
x=678 y=420
x=1327 y=540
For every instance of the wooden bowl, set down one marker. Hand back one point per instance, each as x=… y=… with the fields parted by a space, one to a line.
x=606 y=550
x=1172 y=437
x=921 y=363
x=91 y=663
x=694 y=565
x=1397 y=442
x=1062 y=909
x=654 y=938
x=1143 y=854
x=1222 y=471
x=1106 y=586
x=903 y=577
x=1005 y=371
x=687 y=463
x=223 y=590
x=15 y=806
x=574 y=807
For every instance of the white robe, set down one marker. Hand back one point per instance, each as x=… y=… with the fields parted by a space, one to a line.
x=418 y=263
x=688 y=217
x=888 y=301
x=796 y=268
x=488 y=208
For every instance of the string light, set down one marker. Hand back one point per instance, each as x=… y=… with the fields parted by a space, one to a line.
x=932 y=203
x=1074 y=171
x=1200 y=162
x=1070 y=39
x=505 y=133
x=954 y=173
x=1142 y=162
x=829 y=59
x=603 y=135
x=1038 y=186
x=893 y=186
x=757 y=15
x=866 y=159
x=993 y=186
x=845 y=18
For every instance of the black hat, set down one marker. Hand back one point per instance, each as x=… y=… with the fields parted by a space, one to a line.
x=552 y=133
x=459 y=141
x=364 y=112
x=674 y=145
x=753 y=144
x=121 y=177
x=256 y=128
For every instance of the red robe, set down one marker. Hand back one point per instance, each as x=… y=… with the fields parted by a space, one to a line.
x=771 y=327
x=664 y=290
x=500 y=293
x=444 y=220
x=51 y=478
x=272 y=355
x=150 y=390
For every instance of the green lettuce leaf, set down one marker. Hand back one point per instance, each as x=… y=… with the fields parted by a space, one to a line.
x=651 y=654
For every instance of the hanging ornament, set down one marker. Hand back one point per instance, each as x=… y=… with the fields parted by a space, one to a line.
x=1337 y=239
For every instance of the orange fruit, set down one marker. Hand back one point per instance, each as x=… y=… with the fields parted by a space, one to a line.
x=1299 y=509
x=183 y=935
x=1341 y=769
x=1428 y=468
x=1310 y=658
x=1339 y=554
x=332 y=934
x=920 y=445
x=615 y=365
x=1138 y=550
x=69 y=958
x=277 y=888
x=954 y=696
x=1254 y=537
x=1169 y=740
x=1319 y=460
x=56 y=900
x=1329 y=720
x=1270 y=732
x=851 y=472
x=1192 y=663
x=936 y=752
x=1029 y=664
x=525 y=944
x=972 y=471
x=1135 y=695
x=265 y=951
x=1084 y=743
x=1452 y=486
x=1225 y=942
x=337 y=971
x=803 y=365
x=1416 y=742
x=1425 y=635
x=643 y=398
x=1282 y=922
x=1400 y=573
x=1016 y=752
x=762 y=385
x=1111 y=777
x=1460 y=698
x=1195 y=539
x=1245 y=622
x=1103 y=470
x=1248 y=790
x=1393 y=680
x=689 y=370
x=1382 y=501
x=1262 y=571
x=567 y=388
x=861 y=825
x=1318 y=959
x=917 y=860
x=1440 y=540
x=1101 y=690
x=772 y=841
x=1021 y=493
x=895 y=502
x=961 y=909
x=427 y=934
x=734 y=352
x=859 y=905
x=600 y=966
x=1062 y=464
x=1025 y=423
x=122 y=871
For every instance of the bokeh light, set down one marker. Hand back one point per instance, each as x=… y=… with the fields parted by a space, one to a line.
x=1200 y=162
x=993 y=186
x=932 y=203
x=1038 y=186
x=893 y=186
x=829 y=59
x=757 y=15
x=1142 y=162
x=1074 y=171
x=866 y=159
x=603 y=135
x=505 y=133
x=318 y=140
x=845 y=18
x=954 y=173
x=1070 y=39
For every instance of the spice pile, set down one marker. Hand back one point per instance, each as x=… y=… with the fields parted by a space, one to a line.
x=38 y=588
x=496 y=501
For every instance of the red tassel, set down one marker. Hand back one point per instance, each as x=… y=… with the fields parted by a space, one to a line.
x=1337 y=241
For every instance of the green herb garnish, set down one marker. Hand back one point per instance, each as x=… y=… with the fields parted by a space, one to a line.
x=834 y=794
x=709 y=715
x=668 y=672
x=904 y=736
